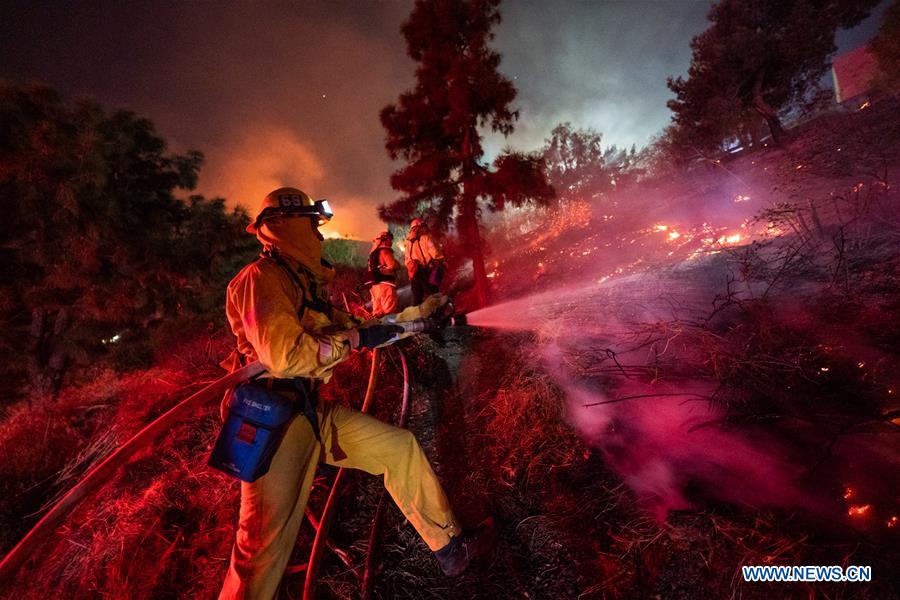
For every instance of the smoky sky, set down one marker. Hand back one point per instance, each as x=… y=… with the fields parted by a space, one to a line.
x=289 y=93
x=595 y=64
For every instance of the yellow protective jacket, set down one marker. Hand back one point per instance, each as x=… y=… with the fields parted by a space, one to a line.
x=420 y=250
x=275 y=322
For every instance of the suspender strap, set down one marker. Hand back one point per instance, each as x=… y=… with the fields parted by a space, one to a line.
x=309 y=405
x=418 y=241
x=315 y=302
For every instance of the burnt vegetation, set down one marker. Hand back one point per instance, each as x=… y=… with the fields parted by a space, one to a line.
x=111 y=303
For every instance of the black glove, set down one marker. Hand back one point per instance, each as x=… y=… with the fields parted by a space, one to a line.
x=375 y=335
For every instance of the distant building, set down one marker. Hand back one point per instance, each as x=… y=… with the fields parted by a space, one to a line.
x=853 y=73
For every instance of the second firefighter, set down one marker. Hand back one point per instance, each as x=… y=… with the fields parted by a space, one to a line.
x=383 y=268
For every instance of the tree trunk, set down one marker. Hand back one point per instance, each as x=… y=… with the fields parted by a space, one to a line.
x=46 y=358
x=767 y=112
x=468 y=221
x=58 y=361
x=38 y=382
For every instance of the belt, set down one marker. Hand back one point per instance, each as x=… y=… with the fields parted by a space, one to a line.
x=288 y=385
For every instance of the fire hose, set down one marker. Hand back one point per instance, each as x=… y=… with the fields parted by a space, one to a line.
x=100 y=474
x=97 y=476
x=368 y=580
x=312 y=569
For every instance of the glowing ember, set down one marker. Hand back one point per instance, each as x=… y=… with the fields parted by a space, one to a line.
x=859 y=510
x=723 y=240
x=892 y=521
x=772 y=229
x=660 y=228
x=741 y=198
x=577 y=214
x=865 y=105
x=848 y=493
x=673 y=235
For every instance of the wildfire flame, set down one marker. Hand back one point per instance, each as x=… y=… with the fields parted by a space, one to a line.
x=859 y=510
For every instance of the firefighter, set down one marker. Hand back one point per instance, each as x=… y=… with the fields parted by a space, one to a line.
x=424 y=261
x=383 y=269
x=280 y=316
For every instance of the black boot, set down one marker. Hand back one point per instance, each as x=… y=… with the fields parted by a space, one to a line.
x=462 y=549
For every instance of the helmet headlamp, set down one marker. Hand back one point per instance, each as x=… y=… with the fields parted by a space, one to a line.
x=324 y=209
x=290 y=202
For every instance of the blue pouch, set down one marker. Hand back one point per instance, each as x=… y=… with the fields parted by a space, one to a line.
x=257 y=420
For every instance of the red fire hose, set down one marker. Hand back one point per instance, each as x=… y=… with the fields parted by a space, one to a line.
x=106 y=469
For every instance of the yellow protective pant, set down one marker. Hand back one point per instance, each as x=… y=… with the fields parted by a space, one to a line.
x=384 y=299
x=273 y=506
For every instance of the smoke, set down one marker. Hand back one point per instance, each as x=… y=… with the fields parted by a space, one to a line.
x=256 y=161
x=627 y=358
x=260 y=158
x=601 y=67
x=668 y=445
x=666 y=439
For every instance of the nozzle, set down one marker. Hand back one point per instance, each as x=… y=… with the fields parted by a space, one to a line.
x=431 y=324
x=415 y=326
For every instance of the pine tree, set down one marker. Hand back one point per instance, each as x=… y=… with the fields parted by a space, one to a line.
x=435 y=126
